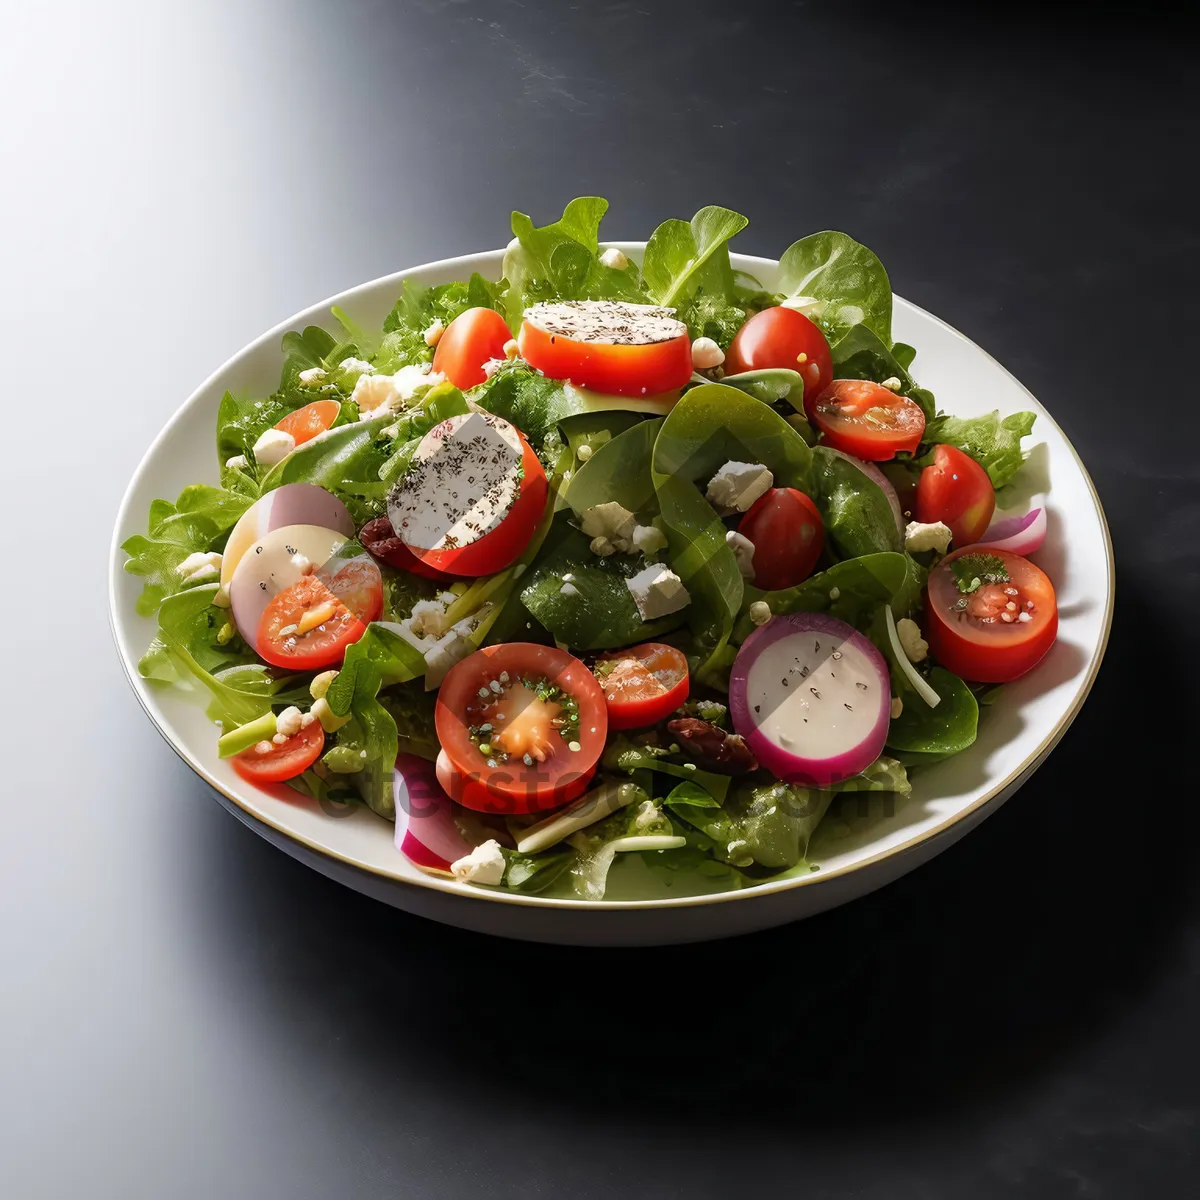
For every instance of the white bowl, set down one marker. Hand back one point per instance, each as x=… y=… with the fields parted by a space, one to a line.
x=857 y=853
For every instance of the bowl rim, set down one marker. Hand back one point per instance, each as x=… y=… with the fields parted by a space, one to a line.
x=1000 y=789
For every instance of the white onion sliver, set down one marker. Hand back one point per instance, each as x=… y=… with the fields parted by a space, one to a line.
x=910 y=672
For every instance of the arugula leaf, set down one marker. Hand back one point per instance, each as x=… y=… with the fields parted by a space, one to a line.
x=992 y=441
x=858 y=518
x=678 y=251
x=844 y=277
x=849 y=590
x=861 y=354
x=944 y=730
x=418 y=307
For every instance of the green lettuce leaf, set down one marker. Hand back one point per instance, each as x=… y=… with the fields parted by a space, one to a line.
x=992 y=441
x=844 y=277
x=678 y=252
x=419 y=306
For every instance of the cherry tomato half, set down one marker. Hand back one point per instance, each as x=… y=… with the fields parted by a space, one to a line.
x=281 y=762
x=607 y=361
x=867 y=420
x=470 y=340
x=346 y=601
x=782 y=337
x=305 y=423
x=642 y=684
x=956 y=489
x=521 y=726
x=788 y=535
x=999 y=630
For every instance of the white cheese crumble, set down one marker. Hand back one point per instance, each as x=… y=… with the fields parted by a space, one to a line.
x=736 y=486
x=378 y=395
x=915 y=647
x=199 y=566
x=273 y=447
x=237 y=462
x=601 y=547
x=611 y=521
x=648 y=539
x=657 y=591
x=935 y=535
x=312 y=376
x=434 y=331
x=464 y=479
x=428 y=619
x=760 y=612
x=356 y=364
x=289 y=722
x=484 y=865
x=613 y=259
x=568 y=589
x=706 y=353
x=743 y=552
x=450 y=648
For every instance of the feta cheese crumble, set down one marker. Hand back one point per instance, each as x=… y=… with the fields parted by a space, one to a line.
x=199 y=566
x=273 y=447
x=312 y=376
x=378 y=395
x=736 y=486
x=484 y=865
x=289 y=722
x=433 y=332
x=706 y=354
x=648 y=539
x=915 y=647
x=935 y=535
x=356 y=364
x=612 y=521
x=657 y=591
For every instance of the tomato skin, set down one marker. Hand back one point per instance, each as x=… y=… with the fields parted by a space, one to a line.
x=839 y=414
x=776 y=337
x=656 y=686
x=381 y=542
x=470 y=340
x=283 y=762
x=502 y=546
x=513 y=787
x=642 y=370
x=356 y=590
x=991 y=651
x=788 y=535
x=956 y=489
x=306 y=423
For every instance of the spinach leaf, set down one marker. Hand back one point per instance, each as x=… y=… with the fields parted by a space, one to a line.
x=679 y=250
x=861 y=354
x=619 y=469
x=623 y=754
x=770 y=385
x=849 y=590
x=992 y=441
x=858 y=518
x=944 y=730
x=844 y=277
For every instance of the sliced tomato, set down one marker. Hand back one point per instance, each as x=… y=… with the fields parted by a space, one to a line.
x=788 y=535
x=867 y=420
x=471 y=339
x=606 y=361
x=642 y=684
x=783 y=338
x=346 y=601
x=305 y=423
x=268 y=762
x=955 y=489
x=522 y=727
x=381 y=542
x=999 y=629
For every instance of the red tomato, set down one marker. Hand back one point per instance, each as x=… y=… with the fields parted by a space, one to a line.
x=305 y=423
x=347 y=602
x=546 y=724
x=502 y=546
x=645 y=369
x=281 y=762
x=642 y=684
x=956 y=490
x=788 y=536
x=867 y=420
x=470 y=340
x=998 y=631
x=381 y=542
x=782 y=337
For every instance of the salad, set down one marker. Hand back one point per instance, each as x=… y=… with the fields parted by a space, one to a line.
x=604 y=562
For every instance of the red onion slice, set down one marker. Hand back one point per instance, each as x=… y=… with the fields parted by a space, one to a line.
x=1018 y=535
x=426 y=832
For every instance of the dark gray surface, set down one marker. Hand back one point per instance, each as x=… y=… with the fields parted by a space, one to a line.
x=186 y=1012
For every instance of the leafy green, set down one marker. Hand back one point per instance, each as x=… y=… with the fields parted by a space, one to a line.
x=619 y=468
x=418 y=307
x=367 y=745
x=861 y=354
x=597 y=846
x=850 y=590
x=533 y=873
x=944 y=730
x=858 y=518
x=678 y=252
x=770 y=385
x=411 y=708
x=846 y=278
x=992 y=441
x=972 y=571
x=623 y=754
